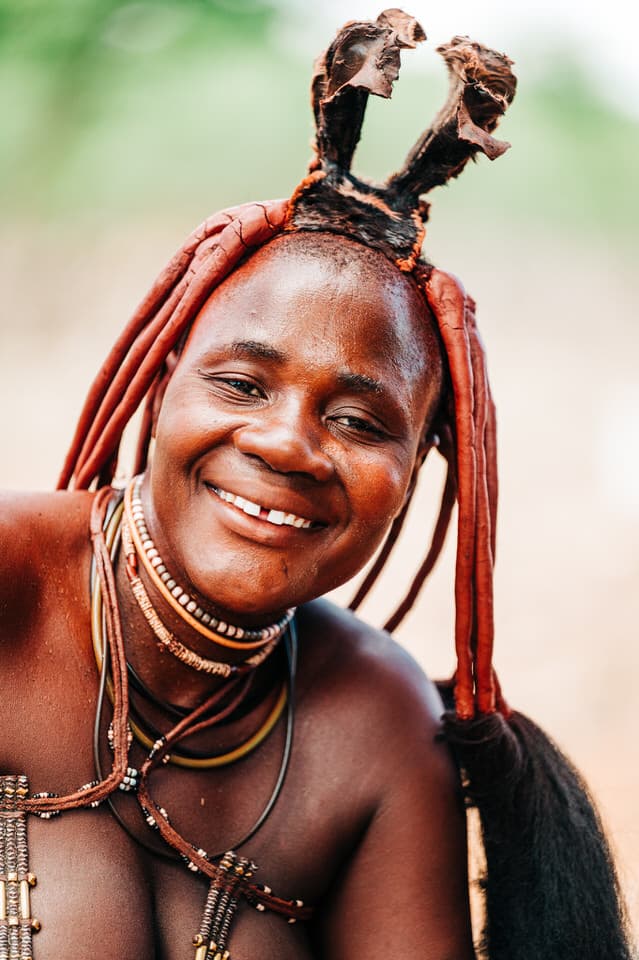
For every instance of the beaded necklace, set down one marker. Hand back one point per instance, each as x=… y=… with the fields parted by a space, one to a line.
x=229 y=879
x=166 y=639
x=114 y=527
x=17 y=925
x=186 y=606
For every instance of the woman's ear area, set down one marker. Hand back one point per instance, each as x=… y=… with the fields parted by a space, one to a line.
x=163 y=381
x=429 y=439
x=434 y=430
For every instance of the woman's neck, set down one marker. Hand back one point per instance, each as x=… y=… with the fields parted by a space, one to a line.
x=163 y=672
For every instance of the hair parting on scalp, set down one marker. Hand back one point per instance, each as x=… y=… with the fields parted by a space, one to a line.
x=550 y=885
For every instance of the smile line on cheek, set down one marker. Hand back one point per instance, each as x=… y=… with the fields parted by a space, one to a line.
x=276 y=517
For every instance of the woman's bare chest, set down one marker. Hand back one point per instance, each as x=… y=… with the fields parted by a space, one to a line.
x=98 y=895
x=100 y=890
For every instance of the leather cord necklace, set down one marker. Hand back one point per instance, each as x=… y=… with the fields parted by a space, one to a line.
x=186 y=723
x=230 y=876
x=113 y=527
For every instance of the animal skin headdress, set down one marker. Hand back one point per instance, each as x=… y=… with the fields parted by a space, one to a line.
x=364 y=59
x=550 y=887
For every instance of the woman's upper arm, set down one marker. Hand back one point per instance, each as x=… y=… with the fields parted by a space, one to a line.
x=14 y=566
x=404 y=891
x=20 y=546
x=39 y=533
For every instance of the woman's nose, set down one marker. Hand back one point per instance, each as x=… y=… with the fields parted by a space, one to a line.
x=286 y=442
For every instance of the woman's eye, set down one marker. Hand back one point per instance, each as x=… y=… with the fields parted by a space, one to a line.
x=235 y=386
x=357 y=425
x=244 y=386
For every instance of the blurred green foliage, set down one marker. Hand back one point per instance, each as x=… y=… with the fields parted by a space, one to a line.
x=115 y=109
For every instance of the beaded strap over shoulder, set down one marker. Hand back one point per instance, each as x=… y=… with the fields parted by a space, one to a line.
x=16 y=923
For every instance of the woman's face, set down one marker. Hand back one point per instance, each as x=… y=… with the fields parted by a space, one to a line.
x=290 y=429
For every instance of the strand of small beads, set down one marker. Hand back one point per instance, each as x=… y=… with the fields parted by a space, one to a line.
x=16 y=923
x=221 y=904
x=187 y=607
x=167 y=640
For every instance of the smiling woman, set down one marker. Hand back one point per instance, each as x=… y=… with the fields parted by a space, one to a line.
x=296 y=362
x=305 y=390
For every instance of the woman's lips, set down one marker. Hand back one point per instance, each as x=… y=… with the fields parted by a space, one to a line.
x=277 y=517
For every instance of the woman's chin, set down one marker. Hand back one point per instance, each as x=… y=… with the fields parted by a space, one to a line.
x=245 y=598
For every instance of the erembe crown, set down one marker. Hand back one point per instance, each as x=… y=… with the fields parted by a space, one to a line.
x=364 y=59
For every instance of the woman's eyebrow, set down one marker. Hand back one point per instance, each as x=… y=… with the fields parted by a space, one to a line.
x=255 y=350
x=258 y=350
x=360 y=383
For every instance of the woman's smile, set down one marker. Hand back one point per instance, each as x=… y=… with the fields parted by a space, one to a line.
x=261 y=524
x=269 y=514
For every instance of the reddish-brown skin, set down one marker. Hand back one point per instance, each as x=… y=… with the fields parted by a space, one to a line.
x=369 y=827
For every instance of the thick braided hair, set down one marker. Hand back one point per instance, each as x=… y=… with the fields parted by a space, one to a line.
x=550 y=887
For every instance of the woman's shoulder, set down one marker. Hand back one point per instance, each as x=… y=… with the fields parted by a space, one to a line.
x=39 y=534
x=369 y=675
x=372 y=731
x=381 y=766
x=61 y=516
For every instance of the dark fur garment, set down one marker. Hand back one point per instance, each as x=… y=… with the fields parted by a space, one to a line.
x=550 y=887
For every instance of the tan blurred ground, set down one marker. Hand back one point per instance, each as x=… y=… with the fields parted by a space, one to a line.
x=558 y=317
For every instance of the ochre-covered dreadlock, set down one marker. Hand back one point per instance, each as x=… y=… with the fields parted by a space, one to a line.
x=551 y=886
x=132 y=373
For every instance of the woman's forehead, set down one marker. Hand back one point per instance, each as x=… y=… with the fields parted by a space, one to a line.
x=319 y=289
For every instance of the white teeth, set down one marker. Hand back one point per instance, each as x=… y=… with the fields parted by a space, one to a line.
x=277 y=517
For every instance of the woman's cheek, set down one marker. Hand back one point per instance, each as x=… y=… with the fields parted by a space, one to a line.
x=384 y=490
x=188 y=431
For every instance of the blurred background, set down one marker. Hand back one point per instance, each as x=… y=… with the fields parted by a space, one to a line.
x=124 y=124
